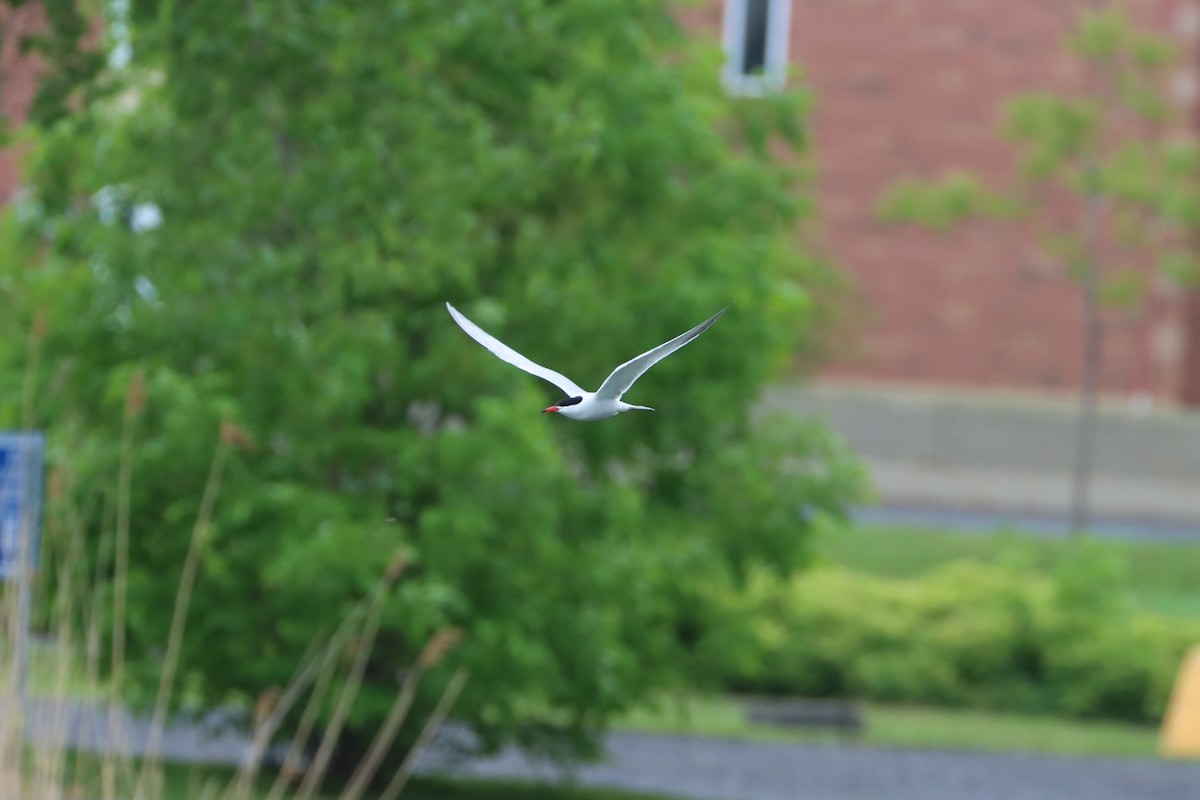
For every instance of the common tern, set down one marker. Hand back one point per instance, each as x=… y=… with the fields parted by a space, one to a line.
x=579 y=404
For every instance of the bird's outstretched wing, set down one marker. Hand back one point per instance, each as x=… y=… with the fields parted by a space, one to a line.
x=506 y=353
x=618 y=383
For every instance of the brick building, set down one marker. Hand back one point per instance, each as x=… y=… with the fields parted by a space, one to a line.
x=17 y=83
x=916 y=88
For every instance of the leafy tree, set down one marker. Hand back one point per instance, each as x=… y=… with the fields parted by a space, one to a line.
x=1104 y=183
x=264 y=215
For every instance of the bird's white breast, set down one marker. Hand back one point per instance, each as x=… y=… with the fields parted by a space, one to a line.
x=589 y=409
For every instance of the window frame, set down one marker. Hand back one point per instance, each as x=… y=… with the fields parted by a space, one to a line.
x=733 y=38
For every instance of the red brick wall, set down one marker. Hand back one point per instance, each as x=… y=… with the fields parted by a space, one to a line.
x=916 y=88
x=17 y=85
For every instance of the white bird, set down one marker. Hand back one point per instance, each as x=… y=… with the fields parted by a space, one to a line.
x=578 y=404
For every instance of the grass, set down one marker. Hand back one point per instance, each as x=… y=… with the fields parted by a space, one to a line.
x=1162 y=577
x=900 y=726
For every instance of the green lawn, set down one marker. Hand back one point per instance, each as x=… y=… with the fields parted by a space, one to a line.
x=899 y=726
x=1163 y=577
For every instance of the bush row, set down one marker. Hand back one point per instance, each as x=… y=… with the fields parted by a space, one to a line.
x=965 y=634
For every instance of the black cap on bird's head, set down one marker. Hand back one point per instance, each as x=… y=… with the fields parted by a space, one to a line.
x=566 y=401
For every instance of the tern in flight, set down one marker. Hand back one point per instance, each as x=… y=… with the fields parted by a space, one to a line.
x=585 y=406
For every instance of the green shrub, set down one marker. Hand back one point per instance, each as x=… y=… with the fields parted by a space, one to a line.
x=966 y=634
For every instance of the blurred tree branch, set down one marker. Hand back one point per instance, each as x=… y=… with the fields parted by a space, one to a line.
x=1104 y=184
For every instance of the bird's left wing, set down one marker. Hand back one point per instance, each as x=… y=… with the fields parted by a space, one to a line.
x=618 y=383
x=506 y=353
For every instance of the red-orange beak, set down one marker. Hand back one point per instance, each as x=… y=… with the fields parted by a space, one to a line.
x=550 y=410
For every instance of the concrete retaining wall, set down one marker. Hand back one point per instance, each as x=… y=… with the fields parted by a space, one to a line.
x=1010 y=454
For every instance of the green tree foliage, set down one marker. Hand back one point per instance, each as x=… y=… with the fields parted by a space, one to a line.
x=1110 y=142
x=1103 y=181
x=264 y=215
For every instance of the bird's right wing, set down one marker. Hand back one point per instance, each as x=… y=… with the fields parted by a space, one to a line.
x=506 y=353
x=621 y=378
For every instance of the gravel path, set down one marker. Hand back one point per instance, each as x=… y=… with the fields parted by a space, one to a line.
x=717 y=769
x=714 y=769
x=85 y=725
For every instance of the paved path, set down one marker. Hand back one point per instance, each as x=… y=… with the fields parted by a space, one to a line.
x=716 y=769
x=85 y=725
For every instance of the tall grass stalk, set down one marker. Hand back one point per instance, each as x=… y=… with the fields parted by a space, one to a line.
x=319 y=666
x=117 y=772
x=37 y=332
x=183 y=596
x=386 y=735
x=50 y=764
x=268 y=723
x=431 y=726
x=135 y=401
x=363 y=648
x=15 y=596
x=293 y=762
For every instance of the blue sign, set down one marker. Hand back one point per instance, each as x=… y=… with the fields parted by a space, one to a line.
x=21 y=459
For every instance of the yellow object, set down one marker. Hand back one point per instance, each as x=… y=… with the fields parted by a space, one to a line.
x=1181 y=724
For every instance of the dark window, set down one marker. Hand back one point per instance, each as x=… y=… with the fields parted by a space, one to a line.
x=754 y=43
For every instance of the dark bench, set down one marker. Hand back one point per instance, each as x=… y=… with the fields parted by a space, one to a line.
x=842 y=715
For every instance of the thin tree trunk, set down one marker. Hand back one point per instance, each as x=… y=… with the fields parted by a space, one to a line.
x=1093 y=356
x=1089 y=389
